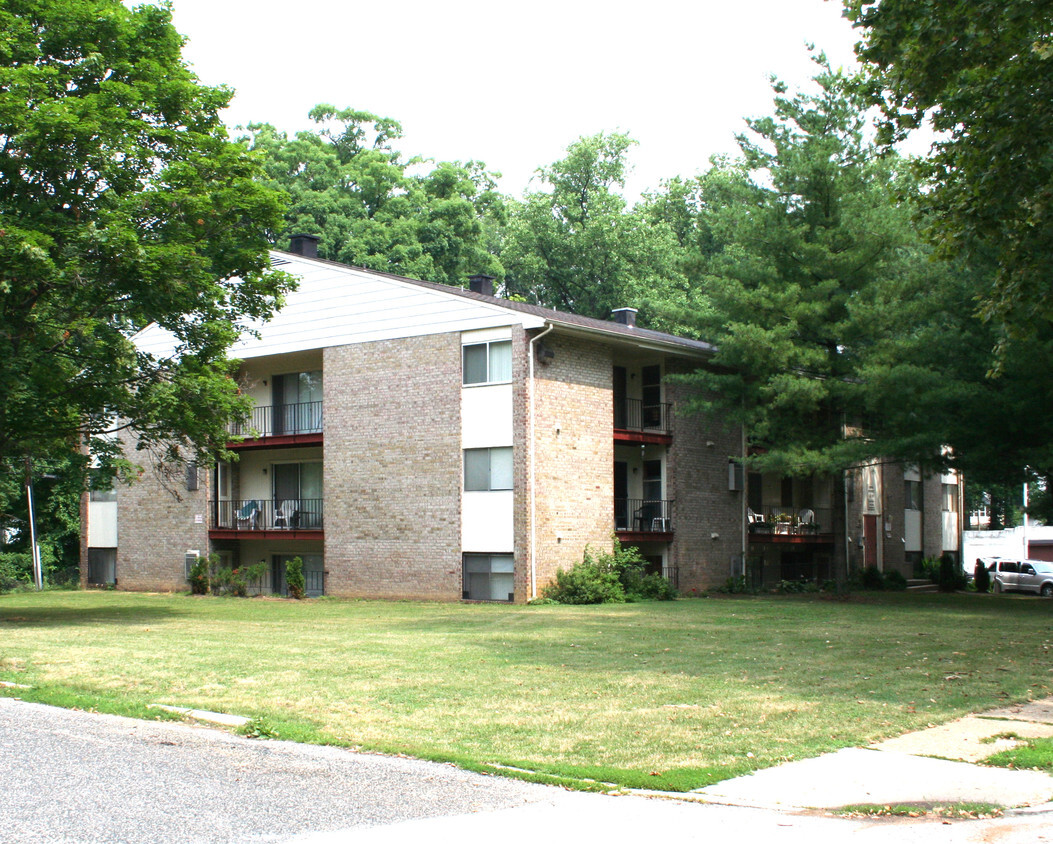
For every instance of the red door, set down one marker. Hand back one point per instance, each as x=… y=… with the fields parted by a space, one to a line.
x=870 y=540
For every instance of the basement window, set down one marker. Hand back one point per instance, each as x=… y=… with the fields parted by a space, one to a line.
x=489 y=577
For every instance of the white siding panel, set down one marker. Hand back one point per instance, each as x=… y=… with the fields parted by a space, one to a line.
x=912 y=530
x=486 y=522
x=102 y=524
x=336 y=306
x=486 y=416
x=950 y=531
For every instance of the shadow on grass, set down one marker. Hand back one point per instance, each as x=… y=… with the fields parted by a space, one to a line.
x=70 y=616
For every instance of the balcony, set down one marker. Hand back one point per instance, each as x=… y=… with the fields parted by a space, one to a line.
x=792 y=525
x=635 y=421
x=269 y=426
x=289 y=519
x=643 y=518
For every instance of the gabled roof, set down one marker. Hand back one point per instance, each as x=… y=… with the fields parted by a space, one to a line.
x=336 y=305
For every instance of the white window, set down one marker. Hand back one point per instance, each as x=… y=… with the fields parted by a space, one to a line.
x=487 y=363
x=487 y=469
x=489 y=577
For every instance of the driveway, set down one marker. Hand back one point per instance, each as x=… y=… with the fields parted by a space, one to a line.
x=70 y=776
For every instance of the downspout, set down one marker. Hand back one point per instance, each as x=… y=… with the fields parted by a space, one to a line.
x=530 y=480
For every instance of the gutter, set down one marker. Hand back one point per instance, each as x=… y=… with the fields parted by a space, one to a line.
x=533 y=464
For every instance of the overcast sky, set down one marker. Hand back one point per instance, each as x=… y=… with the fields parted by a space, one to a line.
x=512 y=84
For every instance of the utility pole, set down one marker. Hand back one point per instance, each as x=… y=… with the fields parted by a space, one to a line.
x=38 y=574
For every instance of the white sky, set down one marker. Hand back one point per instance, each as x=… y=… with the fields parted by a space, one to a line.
x=513 y=84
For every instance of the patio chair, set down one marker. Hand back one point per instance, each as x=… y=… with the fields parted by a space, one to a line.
x=286 y=515
x=248 y=517
x=806 y=521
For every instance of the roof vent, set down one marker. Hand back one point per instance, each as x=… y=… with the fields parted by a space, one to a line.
x=625 y=316
x=481 y=283
x=304 y=244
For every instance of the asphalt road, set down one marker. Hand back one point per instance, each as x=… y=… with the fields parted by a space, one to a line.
x=74 y=777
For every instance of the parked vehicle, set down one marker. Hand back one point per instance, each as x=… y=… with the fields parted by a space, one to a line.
x=1021 y=576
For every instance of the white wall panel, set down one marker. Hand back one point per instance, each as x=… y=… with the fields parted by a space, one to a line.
x=486 y=522
x=912 y=530
x=102 y=524
x=486 y=416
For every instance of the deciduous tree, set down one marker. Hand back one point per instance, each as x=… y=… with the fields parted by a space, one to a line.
x=122 y=203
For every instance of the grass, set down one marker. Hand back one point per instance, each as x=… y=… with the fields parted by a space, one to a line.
x=956 y=811
x=1034 y=753
x=669 y=696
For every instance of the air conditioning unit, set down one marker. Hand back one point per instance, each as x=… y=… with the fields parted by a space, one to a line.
x=545 y=355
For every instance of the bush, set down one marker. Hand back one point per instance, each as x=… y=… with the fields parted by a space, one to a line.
x=981 y=577
x=871 y=578
x=796 y=587
x=16 y=570
x=951 y=578
x=895 y=581
x=294 y=579
x=200 y=581
x=736 y=586
x=609 y=579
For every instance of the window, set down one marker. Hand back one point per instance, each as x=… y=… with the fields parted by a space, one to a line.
x=487 y=469
x=912 y=495
x=487 y=363
x=950 y=498
x=489 y=577
x=297 y=399
x=102 y=495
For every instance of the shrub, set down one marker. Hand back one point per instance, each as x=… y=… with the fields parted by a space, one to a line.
x=609 y=578
x=736 y=586
x=871 y=578
x=895 y=581
x=981 y=577
x=951 y=577
x=200 y=581
x=294 y=579
x=16 y=569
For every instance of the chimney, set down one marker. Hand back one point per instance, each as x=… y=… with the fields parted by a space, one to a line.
x=304 y=244
x=625 y=316
x=481 y=283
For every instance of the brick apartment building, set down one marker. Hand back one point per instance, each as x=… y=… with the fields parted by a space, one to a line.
x=412 y=440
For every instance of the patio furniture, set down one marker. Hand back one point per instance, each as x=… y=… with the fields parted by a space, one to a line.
x=248 y=517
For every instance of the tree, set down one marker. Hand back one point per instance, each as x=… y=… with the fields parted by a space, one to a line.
x=578 y=247
x=798 y=247
x=981 y=73
x=122 y=203
x=349 y=184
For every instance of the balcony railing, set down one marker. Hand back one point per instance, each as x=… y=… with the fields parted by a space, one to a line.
x=313 y=580
x=790 y=521
x=643 y=515
x=634 y=415
x=279 y=420
x=259 y=514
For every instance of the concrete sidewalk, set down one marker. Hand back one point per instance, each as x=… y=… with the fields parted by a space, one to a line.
x=932 y=766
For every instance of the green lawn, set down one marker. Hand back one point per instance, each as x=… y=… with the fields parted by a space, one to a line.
x=661 y=695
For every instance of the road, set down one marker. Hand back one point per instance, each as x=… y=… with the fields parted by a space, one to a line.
x=77 y=777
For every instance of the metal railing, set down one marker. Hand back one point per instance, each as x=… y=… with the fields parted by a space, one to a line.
x=262 y=514
x=792 y=521
x=313 y=580
x=643 y=515
x=279 y=420
x=634 y=415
